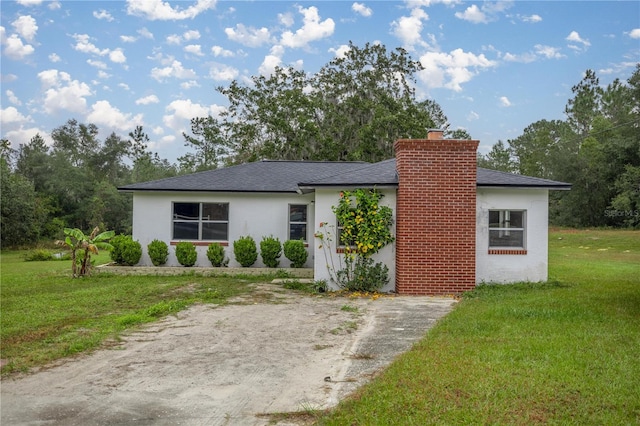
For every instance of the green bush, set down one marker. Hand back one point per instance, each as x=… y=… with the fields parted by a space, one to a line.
x=364 y=275
x=294 y=251
x=39 y=255
x=125 y=250
x=215 y=254
x=158 y=252
x=186 y=253
x=245 y=251
x=270 y=251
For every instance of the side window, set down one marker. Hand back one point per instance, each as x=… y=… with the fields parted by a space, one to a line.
x=298 y=222
x=201 y=221
x=507 y=228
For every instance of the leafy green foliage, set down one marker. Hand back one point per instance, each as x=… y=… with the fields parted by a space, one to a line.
x=158 y=252
x=215 y=254
x=596 y=149
x=125 y=250
x=362 y=274
x=39 y=255
x=245 y=251
x=270 y=251
x=296 y=253
x=186 y=253
x=75 y=240
x=365 y=230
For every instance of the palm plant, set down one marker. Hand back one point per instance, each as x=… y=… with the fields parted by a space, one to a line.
x=76 y=240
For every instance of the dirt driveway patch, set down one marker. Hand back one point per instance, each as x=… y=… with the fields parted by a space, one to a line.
x=269 y=351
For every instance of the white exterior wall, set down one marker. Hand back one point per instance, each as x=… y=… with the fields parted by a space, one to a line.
x=508 y=268
x=327 y=257
x=257 y=215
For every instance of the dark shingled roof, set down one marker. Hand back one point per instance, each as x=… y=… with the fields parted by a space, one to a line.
x=293 y=176
x=262 y=176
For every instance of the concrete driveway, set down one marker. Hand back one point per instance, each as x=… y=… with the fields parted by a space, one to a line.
x=270 y=351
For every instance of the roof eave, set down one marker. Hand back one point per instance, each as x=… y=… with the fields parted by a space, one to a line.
x=520 y=186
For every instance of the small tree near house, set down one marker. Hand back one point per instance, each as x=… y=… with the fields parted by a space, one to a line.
x=364 y=229
x=75 y=240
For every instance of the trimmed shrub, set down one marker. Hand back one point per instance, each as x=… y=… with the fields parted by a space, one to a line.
x=39 y=255
x=270 y=251
x=365 y=276
x=245 y=251
x=125 y=250
x=186 y=253
x=294 y=251
x=158 y=252
x=215 y=254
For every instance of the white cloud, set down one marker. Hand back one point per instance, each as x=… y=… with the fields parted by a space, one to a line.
x=30 y=3
x=22 y=136
x=180 y=112
x=548 y=51
x=176 y=70
x=102 y=14
x=251 y=37
x=62 y=93
x=103 y=75
x=504 y=101
x=103 y=113
x=145 y=33
x=271 y=61
x=26 y=27
x=54 y=58
x=97 y=64
x=162 y=11
x=361 y=9
x=174 y=39
x=286 y=19
x=473 y=14
x=14 y=48
x=117 y=56
x=128 y=39
x=409 y=28
x=84 y=45
x=222 y=72
x=194 y=49
x=341 y=51
x=534 y=19
x=451 y=70
x=124 y=86
x=634 y=33
x=221 y=51
x=473 y=116
x=524 y=58
x=151 y=99
x=312 y=29
x=574 y=39
x=189 y=84
x=191 y=35
x=11 y=115
x=13 y=98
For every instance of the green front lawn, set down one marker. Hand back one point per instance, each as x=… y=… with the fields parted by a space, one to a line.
x=565 y=352
x=47 y=315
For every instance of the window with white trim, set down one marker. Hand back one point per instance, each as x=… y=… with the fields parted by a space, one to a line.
x=507 y=228
x=298 y=222
x=201 y=221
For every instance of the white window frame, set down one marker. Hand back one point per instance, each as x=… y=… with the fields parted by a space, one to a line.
x=504 y=219
x=199 y=221
x=290 y=222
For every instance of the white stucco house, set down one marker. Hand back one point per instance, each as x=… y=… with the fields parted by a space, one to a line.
x=455 y=224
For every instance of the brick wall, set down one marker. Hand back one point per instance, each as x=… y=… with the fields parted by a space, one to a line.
x=436 y=215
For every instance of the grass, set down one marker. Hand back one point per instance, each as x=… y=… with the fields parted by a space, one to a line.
x=47 y=315
x=562 y=352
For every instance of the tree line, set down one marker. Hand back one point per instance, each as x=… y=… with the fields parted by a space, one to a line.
x=353 y=108
x=596 y=148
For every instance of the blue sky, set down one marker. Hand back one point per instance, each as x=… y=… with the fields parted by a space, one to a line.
x=494 y=67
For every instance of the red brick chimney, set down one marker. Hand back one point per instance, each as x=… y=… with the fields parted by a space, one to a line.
x=436 y=215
